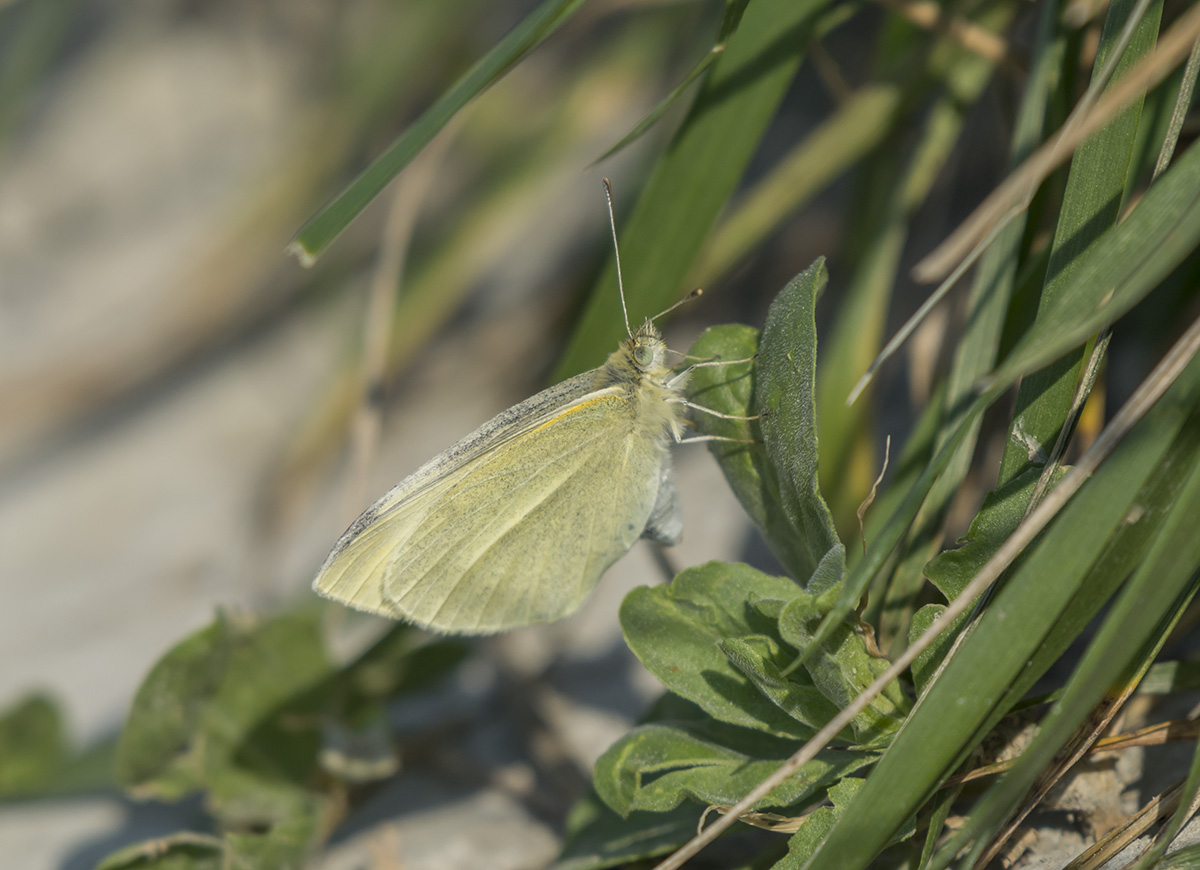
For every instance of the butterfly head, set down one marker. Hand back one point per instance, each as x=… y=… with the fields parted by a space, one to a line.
x=641 y=359
x=646 y=350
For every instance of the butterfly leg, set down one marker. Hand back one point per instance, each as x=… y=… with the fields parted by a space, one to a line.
x=693 y=439
x=680 y=377
x=696 y=439
x=719 y=414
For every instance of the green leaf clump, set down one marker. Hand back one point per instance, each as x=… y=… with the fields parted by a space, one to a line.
x=247 y=711
x=727 y=639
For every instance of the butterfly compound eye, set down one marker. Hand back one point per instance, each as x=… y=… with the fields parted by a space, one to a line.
x=642 y=355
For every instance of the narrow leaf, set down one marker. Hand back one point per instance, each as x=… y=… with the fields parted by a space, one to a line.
x=323 y=227
x=1118 y=271
x=654 y=115
x=731 y=389
x=1091 y=205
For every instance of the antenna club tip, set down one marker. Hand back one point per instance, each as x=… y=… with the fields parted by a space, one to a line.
x=699 y=291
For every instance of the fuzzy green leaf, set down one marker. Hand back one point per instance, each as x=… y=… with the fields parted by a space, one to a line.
x=656 y=767
x=33 y=744
x=803 y=844
x=763 y=660
x=925 y=664
x=675 y=630
x=213 y=701
x=786 y=378
x=285 y=846
x=999 y=515
x=182 y=851
x=842 y=667
x=730 y=389
x=156 y=746
x=596 y=837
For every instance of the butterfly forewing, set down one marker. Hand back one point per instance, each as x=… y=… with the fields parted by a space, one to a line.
x=351 y=571
x=519 y=531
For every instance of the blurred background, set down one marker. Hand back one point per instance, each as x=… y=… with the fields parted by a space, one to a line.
x=180 y=419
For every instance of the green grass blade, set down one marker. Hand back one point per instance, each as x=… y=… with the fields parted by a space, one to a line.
x=1092 y=203
x=857 y=127
x=1127 y=263
x=655 y=115
x=969 y=694
x=996 y=273
x=1183 y=102
x=696 y=175
x=1163 y=581
x=977 y=349
x=321 y=229
x=1116 y=273
x=33 y=44
x=846 y=460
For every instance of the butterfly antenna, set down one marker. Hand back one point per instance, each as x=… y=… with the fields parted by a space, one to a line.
x=693 y=295
x=612 y=222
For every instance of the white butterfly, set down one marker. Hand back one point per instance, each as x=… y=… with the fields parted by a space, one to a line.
x=516 y=523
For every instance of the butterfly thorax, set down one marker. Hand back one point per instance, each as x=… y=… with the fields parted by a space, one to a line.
x=639 y=366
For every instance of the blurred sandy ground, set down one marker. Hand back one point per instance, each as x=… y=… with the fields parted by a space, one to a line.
x=159 y=354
